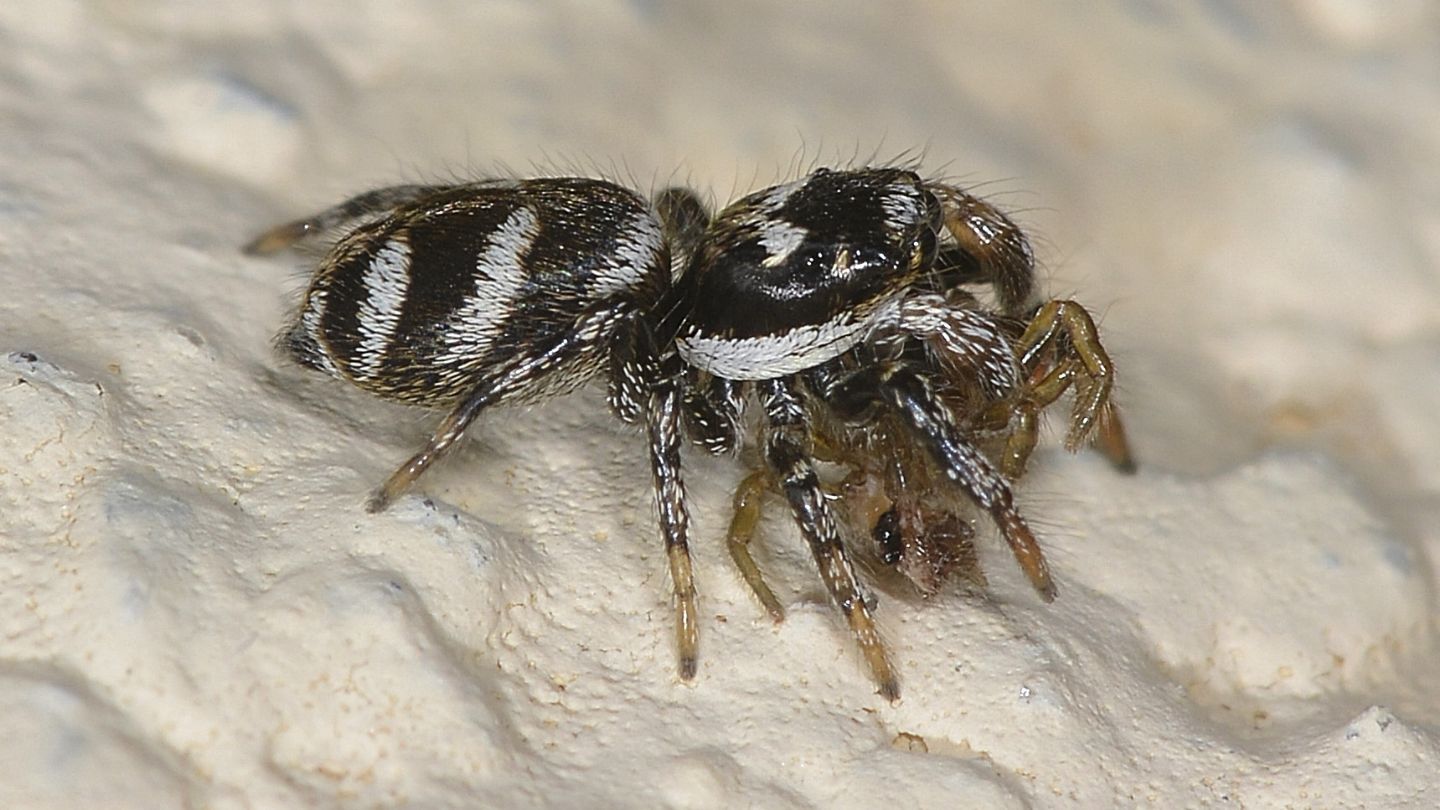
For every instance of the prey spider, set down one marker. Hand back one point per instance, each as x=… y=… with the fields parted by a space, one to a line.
x=843 y=304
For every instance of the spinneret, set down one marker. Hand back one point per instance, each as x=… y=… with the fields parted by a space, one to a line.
x=846 y=306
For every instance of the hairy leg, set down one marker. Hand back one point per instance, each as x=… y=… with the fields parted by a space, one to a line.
x=520 y=375
x=288 y=234
x=645 y=385
x=748 y=498
x=963 y=463
x=664 y=429
x=788 y=455
x=1064 y=332
x=996 y=246
x=713 y=408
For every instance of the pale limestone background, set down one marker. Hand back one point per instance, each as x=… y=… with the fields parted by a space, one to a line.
x=196 y=612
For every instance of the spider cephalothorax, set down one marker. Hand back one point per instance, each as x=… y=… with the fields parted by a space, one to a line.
x=845 y=303
x=840 y=299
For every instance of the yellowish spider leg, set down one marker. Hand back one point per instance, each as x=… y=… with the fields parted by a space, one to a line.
x=1086 y=366
x=748 y=498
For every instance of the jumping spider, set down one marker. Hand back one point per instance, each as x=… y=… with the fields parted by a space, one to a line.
x=842 y=303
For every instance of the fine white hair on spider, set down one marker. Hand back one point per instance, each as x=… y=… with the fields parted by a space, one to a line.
x=845 y=305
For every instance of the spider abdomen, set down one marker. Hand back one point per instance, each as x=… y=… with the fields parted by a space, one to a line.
x=445 y=292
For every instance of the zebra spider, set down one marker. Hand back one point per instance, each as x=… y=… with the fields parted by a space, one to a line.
x=842 y=303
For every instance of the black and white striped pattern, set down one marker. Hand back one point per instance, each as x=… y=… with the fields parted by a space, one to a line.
x=970 y=343
x=445 y=290
x=795 y=275
x=837 y=301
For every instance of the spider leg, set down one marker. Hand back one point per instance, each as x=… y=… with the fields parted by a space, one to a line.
x=642 y=381
x=446 y=434
x=1083 y=364
x=283 y=236
x=713 y=406
x=1060 y=328
x=992 y=241
x=748 y=504
x=520 y=374
x=748 y=498
x=633 y=366
x=664 y=428
x=970 y=343
x=788 y=455
x=917 y=404
x=1112 y=442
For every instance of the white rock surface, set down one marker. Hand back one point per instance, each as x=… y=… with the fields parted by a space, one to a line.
x=196 y=612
